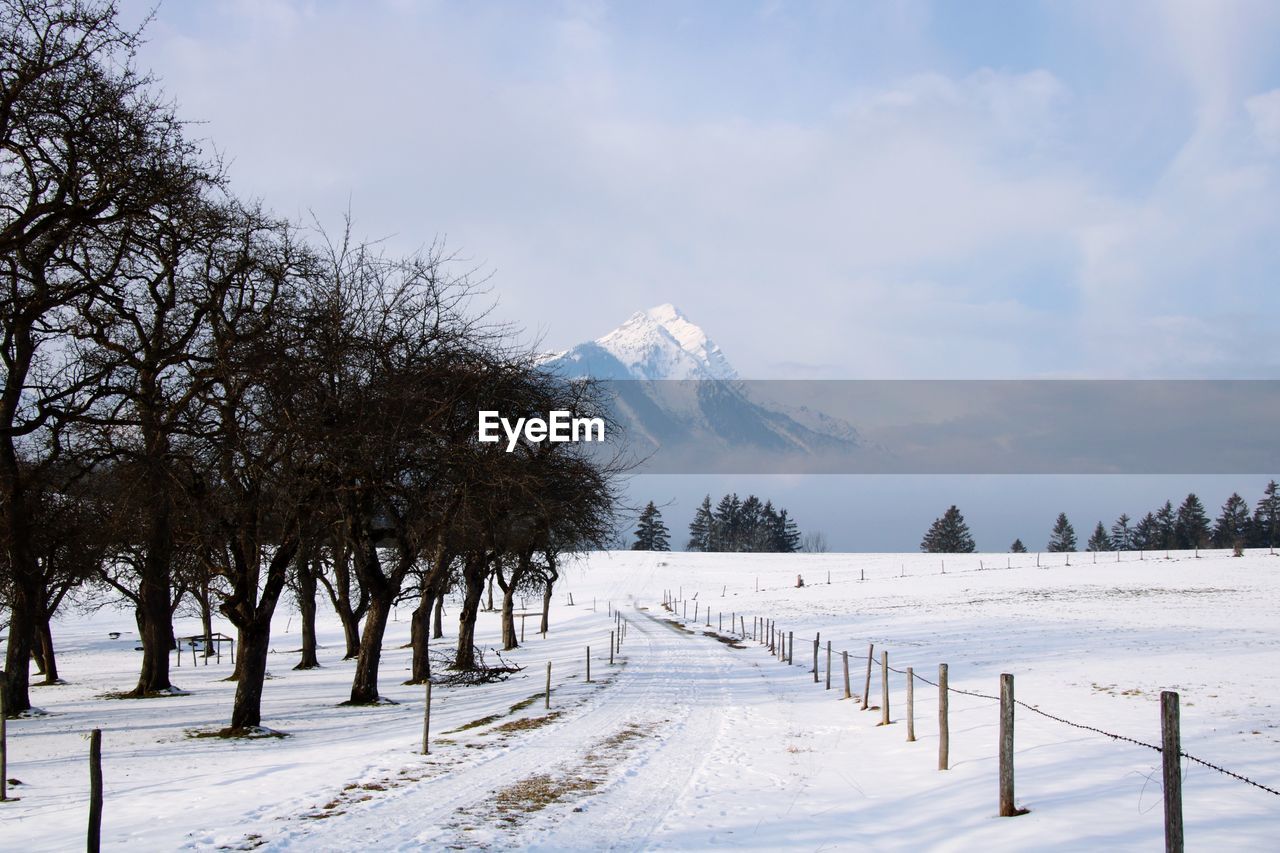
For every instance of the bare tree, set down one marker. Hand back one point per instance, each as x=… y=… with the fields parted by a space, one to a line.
x=85 y=150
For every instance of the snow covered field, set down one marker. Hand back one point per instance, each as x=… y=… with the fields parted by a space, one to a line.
x=688 y=742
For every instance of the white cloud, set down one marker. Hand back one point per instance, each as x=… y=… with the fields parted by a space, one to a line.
x=938 y=222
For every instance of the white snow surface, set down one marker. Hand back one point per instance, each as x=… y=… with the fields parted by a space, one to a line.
x=687 y=742
x=662 y=343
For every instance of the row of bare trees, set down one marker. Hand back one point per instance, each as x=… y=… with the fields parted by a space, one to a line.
x=203 y=405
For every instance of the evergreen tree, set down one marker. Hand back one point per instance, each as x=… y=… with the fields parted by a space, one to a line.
x=1166 y=524
x=1063 y=537
x=700 y=527
x=1266 y=518
x=1146 y=535
x=1099 y=541
x=651 y=533
x=1233 y=525
x=789 y=542
x=948 y=535
x=1191 y=526
x=724 y=527
x=1017 y=547
x=754 y=533
x=1122 y=536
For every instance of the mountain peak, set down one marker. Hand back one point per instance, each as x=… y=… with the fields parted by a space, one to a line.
x=662 y=343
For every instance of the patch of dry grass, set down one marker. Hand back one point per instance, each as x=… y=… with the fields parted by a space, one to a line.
x=527 y=723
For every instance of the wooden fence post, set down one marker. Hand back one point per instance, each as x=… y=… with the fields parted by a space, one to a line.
x=866 y=688
x=844 y=657
x=791 y=647
x=588 y=664
x=884 y=688
x=911 y=705
x=1171 y=753
x=95 y=791
x=1007 y=806
x=548 y=702
x=816 y=640
x=4 y=746
x=944 y=731
x=828 y=664
x=611 y=648
x=426 y=722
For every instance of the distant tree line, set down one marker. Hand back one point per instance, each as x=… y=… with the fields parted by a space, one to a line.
x=204 y=407
x=742 y=525
x=734 y=524
x=1185 y=527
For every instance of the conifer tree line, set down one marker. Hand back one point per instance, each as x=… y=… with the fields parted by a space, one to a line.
x=743 y=525
x=206 y=408
x=1186 y=527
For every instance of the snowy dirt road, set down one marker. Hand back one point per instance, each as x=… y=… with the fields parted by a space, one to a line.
x=602 y=773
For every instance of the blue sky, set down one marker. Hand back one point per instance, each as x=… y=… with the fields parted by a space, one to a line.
x=832 y=190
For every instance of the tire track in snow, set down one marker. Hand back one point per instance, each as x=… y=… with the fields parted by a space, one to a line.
x=657 y=687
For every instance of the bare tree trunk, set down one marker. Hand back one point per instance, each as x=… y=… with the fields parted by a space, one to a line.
x=437 y=629
x=206 y=617
x=364 y=686
x=155 y=581
x=44 y=643
x=419 y=632
x=251 y=663
x=350 y=634
x=306 y=590
x=17 y=662
x=546 y=608
x=157 y=629
x=473 y=574
x=509 y=637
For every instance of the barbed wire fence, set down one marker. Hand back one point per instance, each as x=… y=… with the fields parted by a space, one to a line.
x=781 y=644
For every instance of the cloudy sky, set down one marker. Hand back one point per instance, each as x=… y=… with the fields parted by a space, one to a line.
x=832 y=190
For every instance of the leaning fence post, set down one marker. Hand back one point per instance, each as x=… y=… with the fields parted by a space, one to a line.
x=944 y=732
x=1171 y=753
x=95 y=790
x=884 y=688
x=911 y=705
x=844 y=657
x=548 y=700
x=1007 y=807
x=426 y=722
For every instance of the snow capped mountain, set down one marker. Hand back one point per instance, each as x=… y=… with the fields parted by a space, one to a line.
x=674 y=390
x=660 y=343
